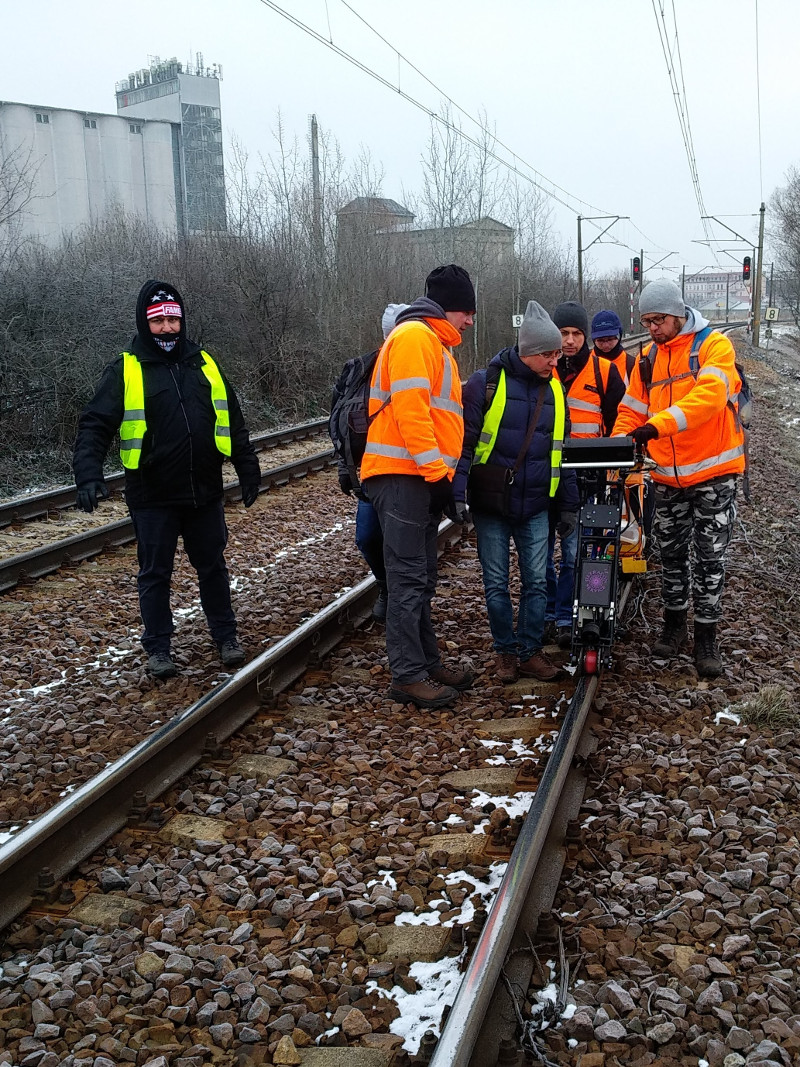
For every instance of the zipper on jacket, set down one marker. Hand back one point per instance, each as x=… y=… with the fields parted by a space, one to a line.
x=188 y=431
x=672 y=437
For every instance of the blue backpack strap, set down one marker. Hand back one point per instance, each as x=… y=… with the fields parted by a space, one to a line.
x=694 y=354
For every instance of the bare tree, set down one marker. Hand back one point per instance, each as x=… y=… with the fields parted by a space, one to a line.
x=785 y=210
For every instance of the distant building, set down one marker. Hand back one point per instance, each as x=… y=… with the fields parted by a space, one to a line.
x=188 y=98
x=160 y=158
x=83 y=165
x=480 y=243
x=715 y=288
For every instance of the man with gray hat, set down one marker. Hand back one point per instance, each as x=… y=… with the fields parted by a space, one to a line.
x=680 y=405
x=515 y=423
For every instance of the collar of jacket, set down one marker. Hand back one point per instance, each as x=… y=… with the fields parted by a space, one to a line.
x=569 y=367
x=427 y=310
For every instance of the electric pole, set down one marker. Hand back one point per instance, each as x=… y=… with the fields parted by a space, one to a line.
x=593 y=218
x=317 y=196
x=757 y=287
x=580 y=264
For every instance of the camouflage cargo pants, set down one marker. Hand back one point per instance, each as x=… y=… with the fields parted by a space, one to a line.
x=700 y=517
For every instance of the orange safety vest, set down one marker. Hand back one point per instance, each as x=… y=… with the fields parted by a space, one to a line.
x=421 y=428
x=623 y=362
x=585 y=395
x=699 y=434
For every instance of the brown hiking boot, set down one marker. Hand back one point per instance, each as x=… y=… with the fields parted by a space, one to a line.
x=427 y=693
x=506 y=668
x=673 y=635
x=452 y=676
x=706 y=651
x=538 y=666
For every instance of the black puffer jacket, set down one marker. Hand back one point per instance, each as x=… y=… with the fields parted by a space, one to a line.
x=180 y=463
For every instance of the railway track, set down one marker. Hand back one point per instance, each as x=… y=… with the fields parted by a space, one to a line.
x=84 y=544
x=36 y=862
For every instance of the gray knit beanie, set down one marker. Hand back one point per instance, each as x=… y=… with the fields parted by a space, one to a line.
x=538 y=333
x=390 y=317
x=662 y=297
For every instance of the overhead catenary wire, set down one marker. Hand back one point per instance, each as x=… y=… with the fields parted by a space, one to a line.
x=758 y=111
x=678 y=86
x=535 y=177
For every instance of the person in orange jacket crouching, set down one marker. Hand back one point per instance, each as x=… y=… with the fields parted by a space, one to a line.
x=413 y=445
x=680 y=403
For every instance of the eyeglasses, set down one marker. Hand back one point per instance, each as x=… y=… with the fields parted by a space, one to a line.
x=654 y=320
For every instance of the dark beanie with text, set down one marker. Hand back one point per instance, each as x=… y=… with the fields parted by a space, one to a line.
x=450 y=287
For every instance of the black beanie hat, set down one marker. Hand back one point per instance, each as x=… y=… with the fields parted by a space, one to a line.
x=571 y=313
x=451 y=288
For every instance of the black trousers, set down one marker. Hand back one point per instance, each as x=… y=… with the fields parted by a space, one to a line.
x=205 y=536
x=403 y=504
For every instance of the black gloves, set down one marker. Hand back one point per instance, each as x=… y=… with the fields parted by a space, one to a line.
x=568 y=520
x=457 y=511
x=441 y=495
x=642 y=434
x=345 y=482
x=250 y=493
x=88 y=494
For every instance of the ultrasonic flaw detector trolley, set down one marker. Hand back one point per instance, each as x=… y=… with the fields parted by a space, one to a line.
x=610 y=540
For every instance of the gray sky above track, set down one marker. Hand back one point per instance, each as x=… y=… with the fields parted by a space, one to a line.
x=577 y=88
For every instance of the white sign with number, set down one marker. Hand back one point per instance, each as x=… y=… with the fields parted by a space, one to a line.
x=516 y=321
x=771 y=314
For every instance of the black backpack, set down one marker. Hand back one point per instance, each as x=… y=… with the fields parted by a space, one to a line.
x=349 y=419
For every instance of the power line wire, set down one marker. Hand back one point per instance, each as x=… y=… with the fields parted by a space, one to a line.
x=538 y=179
x=758 y=109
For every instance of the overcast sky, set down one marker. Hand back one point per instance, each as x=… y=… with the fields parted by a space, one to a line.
x=579 y=89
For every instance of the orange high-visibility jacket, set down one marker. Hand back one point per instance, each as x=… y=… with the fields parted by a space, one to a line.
x=621 y=362
x=699 y=435
x=584 y=400
x=421 y=429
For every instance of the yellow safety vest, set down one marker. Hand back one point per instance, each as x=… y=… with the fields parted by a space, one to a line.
x=134 y=423
x=493 y=418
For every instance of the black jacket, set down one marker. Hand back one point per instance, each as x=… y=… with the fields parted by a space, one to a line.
x=531 y=488
x=180 y=463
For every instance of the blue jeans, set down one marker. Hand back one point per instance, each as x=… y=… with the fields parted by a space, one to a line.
x=560 y=590
x=369 y=540
x=494 y=540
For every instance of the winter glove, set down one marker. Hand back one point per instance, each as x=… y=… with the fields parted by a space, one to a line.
x=568 y=520
x=345 y=482
x=457 y=511
x=441 y=495
x=642 y=434
x=88 y=494
x=250 y=493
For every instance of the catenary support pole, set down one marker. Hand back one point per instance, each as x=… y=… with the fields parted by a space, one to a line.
x=757 y=286
x=580 y=263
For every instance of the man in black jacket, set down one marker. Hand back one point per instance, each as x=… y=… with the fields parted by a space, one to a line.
x=178 y=419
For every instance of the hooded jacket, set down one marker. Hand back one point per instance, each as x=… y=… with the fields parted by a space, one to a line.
x=699 y=437
x=415 y=396
x=531 y=488
x=180 y=463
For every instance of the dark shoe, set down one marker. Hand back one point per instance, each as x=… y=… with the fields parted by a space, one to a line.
x=506 y=668
x=161 y=666
x=231 y=653
x=565 y=637
x=706 y=650
x=538 y=666
x=550 y=636
x=427 y=693
x=452 y=676
x=380 y=605
x=673 y=635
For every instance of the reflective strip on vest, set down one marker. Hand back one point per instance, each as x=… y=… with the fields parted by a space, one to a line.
x=494 y=416
x=134 y=423
x=635 y=405
x=688 y=469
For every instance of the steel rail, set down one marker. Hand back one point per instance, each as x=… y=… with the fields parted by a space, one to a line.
x=76 y=826
x=80 y=546
x=33 y=506
x=467 y=1016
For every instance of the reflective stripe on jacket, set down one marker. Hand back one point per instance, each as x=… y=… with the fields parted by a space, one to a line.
x=421 y=430
x=494 y=416
x=698 y=436
x=134 y=421
x=584 y=400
